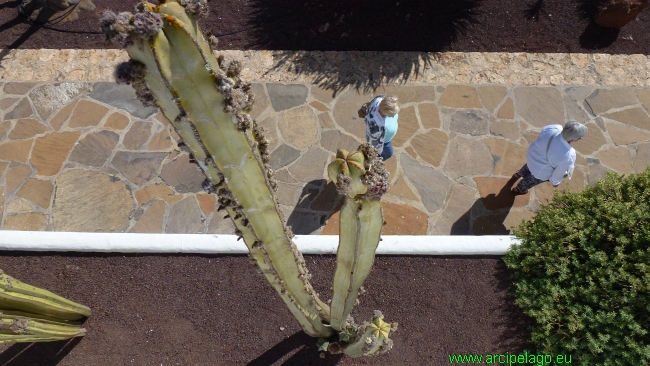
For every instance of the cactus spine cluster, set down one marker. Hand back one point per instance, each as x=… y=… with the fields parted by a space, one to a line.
x=173 y=65
x=31 y=314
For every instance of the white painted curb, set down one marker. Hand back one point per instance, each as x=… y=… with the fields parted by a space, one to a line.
x=47 y=241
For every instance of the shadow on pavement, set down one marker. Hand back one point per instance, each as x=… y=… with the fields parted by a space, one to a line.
x=318 y=201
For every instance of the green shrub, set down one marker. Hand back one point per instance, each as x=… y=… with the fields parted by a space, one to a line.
x=582 y=272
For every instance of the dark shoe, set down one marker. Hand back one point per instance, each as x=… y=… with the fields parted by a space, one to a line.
x=516 y=190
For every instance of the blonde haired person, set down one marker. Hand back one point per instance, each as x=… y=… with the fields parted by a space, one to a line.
x=381 y=124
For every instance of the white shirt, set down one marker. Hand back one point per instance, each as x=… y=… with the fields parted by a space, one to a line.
x=561 y=156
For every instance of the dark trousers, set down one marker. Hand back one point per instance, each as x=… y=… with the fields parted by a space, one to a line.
x=388 y=151
x=529 y=180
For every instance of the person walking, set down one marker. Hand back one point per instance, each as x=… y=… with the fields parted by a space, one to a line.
x=381 y=124
x=550 y=157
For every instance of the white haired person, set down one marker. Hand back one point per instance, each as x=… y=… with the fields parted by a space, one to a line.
x=381 y=124
x=550 y=157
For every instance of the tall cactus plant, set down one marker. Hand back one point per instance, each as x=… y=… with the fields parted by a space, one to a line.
x=173 y=65
x=32 y=314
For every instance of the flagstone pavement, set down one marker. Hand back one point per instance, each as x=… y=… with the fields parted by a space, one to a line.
x=87 y=156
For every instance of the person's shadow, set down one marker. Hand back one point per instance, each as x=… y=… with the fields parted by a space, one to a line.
x=318 y=201
x=487 y=214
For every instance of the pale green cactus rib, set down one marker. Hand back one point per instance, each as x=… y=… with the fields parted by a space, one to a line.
x=17 y=295
x=360 y=231
x=17 y=328
x=183 y=63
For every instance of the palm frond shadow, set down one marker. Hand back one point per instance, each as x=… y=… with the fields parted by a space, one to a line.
x=423 y=28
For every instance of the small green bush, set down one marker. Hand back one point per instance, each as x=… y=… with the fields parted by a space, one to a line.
x=582 y=272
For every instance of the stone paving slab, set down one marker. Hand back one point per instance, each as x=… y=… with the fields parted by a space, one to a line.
x=86 y=156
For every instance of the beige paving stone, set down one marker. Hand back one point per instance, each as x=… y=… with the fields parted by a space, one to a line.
x=623 y=134
x=603 y=100
x=507 y=110
x=516 y=216
x=119 y=121
x=87 y=113
x=51 y=151
x=539 y=106
x=148 y=193
x=270 y=131
x=400 y=219
x=95 y=148
x=37 y=191
x=4 y=127
x=16 y=175
x=173 y=199
x=18 y=205
x=596 y=173
x=454 y=219
x=617 y=158
x=26 y=222
x=345 y=113
x=431 y=146
x=408 y=94
x=508 y=157
x=401 y=190
x=288 y=194
x=161 y=141
x=326 y=121
x=61 y=116
x=22 y=110
x=184 y=217
x=2 y=201
x=429 y=116
x=467 y=157
x=507 y=129
x=635 y=116
x=182 y=175
x=15 y=150
x=642 y=158
x=152 y=219
x=207 y=202
x=322 y=94
x=26 y=128
x=544 y=191
x=299 y=127
x=460 y=96
x=18 y=88
x=592 y=142
x=3 y=166
x=644 y=98
x=219 y=225
x=409 y=150
x=91 y=202
x=496 y=193
x=261 y=100
x=320 y=107
x=407 y=126
x=333 y=140
x=137 y=135
x=311 y=165
x=492 y=95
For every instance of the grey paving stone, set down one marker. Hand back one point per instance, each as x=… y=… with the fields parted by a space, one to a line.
x=333 y=140
x=182 y=175
x=50 y=98
x=184 y=217
x=473 y=123
x=139 y=168
x=22 y=110
x=286 y=96
x=311 y=165
x=95 y=148
x=432 y=185
x=122 y=97
x=283 y=156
